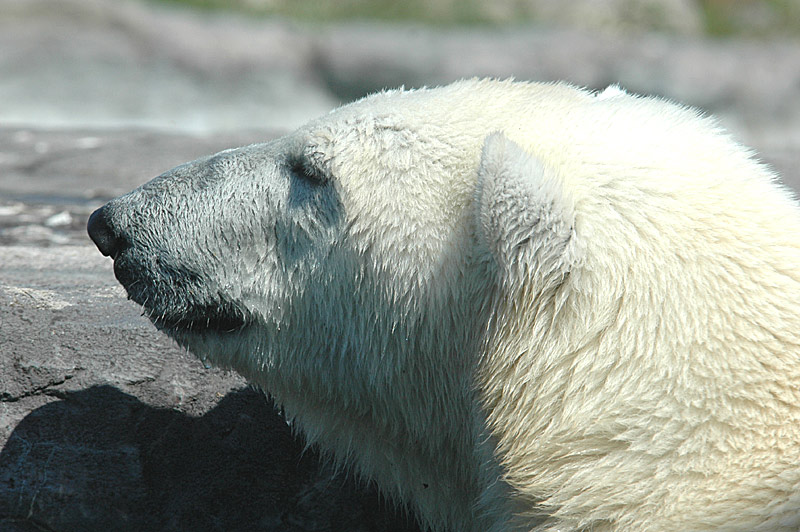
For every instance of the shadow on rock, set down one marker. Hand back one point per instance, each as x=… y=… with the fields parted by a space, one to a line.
x=100 y=459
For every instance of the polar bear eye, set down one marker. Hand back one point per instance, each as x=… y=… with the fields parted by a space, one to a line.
x=302 y=170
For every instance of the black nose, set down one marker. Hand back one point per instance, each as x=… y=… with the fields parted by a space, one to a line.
x=103 y=236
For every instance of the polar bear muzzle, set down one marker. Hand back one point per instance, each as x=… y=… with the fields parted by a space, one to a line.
x=146 y=278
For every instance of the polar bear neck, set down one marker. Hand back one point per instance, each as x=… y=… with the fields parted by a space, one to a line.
x=625 y=400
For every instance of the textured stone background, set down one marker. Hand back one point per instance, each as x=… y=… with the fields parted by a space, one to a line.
x=104 y=423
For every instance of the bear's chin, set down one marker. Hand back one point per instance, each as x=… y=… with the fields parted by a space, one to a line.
x=188 y=309
x=216 y=319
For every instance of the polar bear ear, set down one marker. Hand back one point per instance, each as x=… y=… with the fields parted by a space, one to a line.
x=524 y=219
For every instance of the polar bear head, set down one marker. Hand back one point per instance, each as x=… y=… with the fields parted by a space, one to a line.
x=510 y=304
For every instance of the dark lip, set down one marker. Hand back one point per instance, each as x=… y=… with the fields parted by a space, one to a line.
x=220 y=322
x=216 y=315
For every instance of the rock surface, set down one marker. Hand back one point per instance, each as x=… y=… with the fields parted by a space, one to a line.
x=104 y=423
x=112 y=63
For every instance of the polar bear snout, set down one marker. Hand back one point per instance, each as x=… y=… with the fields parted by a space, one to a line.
x=168 y=237
x=107 y=241
x=147 y=275
x=114 y=243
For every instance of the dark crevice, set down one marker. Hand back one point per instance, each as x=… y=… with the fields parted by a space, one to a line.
x=46 y=389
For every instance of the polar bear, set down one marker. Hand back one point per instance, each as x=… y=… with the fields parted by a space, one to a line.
x=514 y=306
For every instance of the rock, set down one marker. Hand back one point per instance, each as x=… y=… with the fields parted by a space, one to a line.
x=677 y=17
x=674 y=16
x=101 y=459
x=749 y=84
x=109 y=63
x=101 y=63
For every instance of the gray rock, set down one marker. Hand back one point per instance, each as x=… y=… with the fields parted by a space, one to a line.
x=104 y=63
x=681 y=17
x=100 y=63
x=758 y=82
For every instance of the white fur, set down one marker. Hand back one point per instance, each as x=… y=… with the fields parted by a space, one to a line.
x=539 y=309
